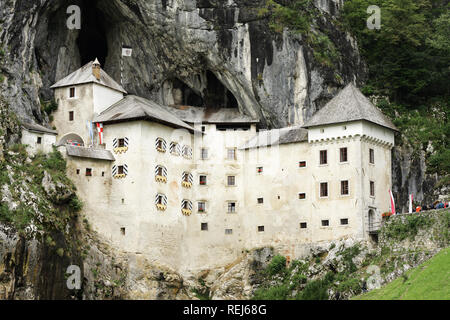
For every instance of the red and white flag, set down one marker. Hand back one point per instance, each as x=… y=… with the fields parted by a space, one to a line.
x=392 y=202
x=411 y=203
x=100 y=132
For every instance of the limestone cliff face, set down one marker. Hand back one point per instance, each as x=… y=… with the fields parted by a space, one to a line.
x=202 y=49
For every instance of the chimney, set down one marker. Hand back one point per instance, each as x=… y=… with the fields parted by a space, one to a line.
x=96 y=69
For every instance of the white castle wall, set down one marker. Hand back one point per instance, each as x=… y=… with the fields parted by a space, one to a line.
x=176 y=240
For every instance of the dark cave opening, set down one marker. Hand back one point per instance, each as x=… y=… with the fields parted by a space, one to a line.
x=183 y=95
x=92 y=42
x=217 y=95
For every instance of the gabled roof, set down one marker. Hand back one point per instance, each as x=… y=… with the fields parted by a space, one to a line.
x=349 y=105
x=209 y=115
x=137 y=108
x=84 y=75
x=276 y=137
x=38 y=128
x=90 y=153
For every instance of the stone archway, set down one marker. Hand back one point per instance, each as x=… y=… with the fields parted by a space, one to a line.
x=71 y=139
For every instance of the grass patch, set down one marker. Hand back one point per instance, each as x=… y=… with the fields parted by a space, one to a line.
x=429 y=281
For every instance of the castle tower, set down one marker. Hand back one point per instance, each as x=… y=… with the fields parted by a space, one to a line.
x=81 y=96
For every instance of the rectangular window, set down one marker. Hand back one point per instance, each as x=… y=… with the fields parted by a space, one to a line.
x=231 y=207
x=231 y=154
x=323 y=157
x=204 y=154
x=121 y=143
x=260 y=170
x=325 y=223
x=231 y=180
x=203 y=128
x=228 y=231
x=302 y=196
x=260 y=200
x=324 y=189
x=344 y=222
x=122 y=231
x=202 y=180
x=120 y=170
x=39 y=140
x=72 y=92
x=261 y=229
x=204 y=227
x=343 y=154
x=103 y=173
x=202 y=207
x=372 y=156
x=78 y=171
x=344 y=188
x=88 y=172
x=302 y=164
x=71 y=117
x=303 y=225
x=372 y=189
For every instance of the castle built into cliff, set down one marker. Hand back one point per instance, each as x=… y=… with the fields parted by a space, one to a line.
x=192 y=187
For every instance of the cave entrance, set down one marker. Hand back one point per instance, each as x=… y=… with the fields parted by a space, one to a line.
x=92 y=42
x=217 y=95
x=183 y=95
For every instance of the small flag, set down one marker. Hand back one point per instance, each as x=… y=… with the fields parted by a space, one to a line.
x=411 y=203
x=392 y=202
x=127 y=51
x=91 y=131
x=100 y=132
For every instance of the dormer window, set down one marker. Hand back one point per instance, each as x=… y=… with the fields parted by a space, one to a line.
x=72 y=92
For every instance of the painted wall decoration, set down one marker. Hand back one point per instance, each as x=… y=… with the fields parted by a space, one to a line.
x=120 y=145
x=187 y=180
x=186 y=207
x=161 y=174
x=120 y=172
x=161 y=202
x=161 y=145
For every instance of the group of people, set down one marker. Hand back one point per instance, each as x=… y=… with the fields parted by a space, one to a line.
x=435 y=205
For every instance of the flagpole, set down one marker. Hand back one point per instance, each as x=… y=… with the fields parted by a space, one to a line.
x=121 y=65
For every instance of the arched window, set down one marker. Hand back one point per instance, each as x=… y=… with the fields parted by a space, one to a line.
x=71 y=139
x=161 y=145
x=186 y=207
x=175 y=149
x=187 y=180
x=161 y=202
x=187 y=152
x=161 y=174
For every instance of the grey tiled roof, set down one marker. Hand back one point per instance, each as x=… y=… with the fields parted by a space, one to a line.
x=349 y=105
x=137 y=108
x=91 y=153
x=276 y=137
x=84 y=75
x=209 y=115
x=38 y=128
